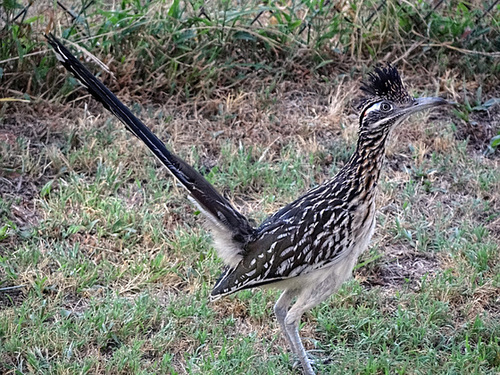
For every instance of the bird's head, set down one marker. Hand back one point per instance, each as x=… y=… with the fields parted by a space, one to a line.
x=388 y=102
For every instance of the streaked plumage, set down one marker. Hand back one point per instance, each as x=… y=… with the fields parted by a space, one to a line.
x=309 y=247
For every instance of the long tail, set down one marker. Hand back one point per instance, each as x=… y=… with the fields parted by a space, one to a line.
x=221 y=214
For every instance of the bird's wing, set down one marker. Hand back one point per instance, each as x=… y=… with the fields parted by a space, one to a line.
x=220 y=213
x=302 y=237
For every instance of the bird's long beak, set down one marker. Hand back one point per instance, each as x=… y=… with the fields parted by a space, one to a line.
x=420 y=104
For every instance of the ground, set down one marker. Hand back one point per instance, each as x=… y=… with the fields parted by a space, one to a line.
x=106 y=268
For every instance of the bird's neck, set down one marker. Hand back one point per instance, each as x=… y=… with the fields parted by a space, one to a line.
x=365 y=164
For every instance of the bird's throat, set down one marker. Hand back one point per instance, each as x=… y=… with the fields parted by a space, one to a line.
x=365 y=165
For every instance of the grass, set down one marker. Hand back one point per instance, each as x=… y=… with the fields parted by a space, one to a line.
x=116 y=268
x=105 y=267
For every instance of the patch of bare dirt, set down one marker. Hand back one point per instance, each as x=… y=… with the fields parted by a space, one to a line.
x=400 y=267
x=11 y=295
x=480 y=129
x=26 y=131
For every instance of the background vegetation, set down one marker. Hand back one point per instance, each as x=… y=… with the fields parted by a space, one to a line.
x=104 y=267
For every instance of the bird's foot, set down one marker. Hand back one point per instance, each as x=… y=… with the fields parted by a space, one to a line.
x=310 y=362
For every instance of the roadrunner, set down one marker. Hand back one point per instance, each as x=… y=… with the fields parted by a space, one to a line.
x=309 y=247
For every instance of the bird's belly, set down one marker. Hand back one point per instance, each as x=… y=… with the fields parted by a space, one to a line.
x=337 y=272
x=363 y=236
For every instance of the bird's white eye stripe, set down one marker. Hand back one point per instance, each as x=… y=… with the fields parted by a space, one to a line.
x=374 y=107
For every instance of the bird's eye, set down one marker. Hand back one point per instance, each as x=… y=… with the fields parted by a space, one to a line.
x=386 y=107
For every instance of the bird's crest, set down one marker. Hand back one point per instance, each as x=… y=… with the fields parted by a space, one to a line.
x=385 y=83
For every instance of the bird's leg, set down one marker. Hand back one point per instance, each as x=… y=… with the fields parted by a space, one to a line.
x=292 y=329
x=281 y=310
x=307 y=298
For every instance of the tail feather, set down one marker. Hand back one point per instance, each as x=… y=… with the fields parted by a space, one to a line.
x=220 y=213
